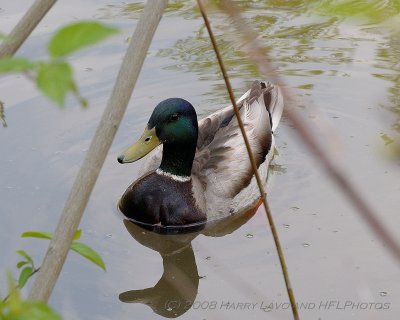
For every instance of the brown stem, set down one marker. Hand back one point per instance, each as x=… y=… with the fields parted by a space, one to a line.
x=285 y=272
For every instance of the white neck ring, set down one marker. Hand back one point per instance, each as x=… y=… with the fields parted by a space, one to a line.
x=173 y=176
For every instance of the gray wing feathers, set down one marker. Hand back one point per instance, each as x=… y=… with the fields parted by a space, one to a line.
x=221 y=162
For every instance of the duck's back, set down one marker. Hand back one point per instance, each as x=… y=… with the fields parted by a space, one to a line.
x=221 y=161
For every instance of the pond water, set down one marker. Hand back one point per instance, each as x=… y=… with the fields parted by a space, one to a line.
x=347 y=79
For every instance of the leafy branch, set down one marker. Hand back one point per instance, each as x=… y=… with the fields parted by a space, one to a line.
x=83 y=249
x=54 y=77
x=13 y=306
x=27 y=266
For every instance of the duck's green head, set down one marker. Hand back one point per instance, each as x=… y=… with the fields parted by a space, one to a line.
x=173 y=122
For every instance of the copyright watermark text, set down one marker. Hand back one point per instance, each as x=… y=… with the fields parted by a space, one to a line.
x=271 y=306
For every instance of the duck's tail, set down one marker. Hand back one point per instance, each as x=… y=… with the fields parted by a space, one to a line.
x=273 y=100
x=268 y=94
x=275 y=106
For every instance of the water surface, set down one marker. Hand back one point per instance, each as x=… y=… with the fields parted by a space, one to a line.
x=347 y=76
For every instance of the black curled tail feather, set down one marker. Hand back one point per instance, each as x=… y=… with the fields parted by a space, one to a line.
x=273 y=101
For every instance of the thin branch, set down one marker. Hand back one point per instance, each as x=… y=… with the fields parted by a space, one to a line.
x=253 y=164
x=25 y=27
x=260 y=57
x=18 y=287
x=2 y=115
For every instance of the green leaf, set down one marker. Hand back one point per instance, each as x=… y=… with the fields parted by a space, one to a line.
x=87 y=252
x=25 y=274
x=15 y=308
x=14 y=298
x=25 y=255
x=21 y=264
x=35 y=310
x=10 y=64
x=77 y=235
x=78 y=35
x=47 y=235
x=37 y=234
x=55 y=80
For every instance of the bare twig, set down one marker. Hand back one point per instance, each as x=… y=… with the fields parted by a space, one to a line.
x=253 y=164
x=90 y=169
x=260 y=57
x=2 y=115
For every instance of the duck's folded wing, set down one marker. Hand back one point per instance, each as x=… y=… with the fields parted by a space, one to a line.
x=221 y=162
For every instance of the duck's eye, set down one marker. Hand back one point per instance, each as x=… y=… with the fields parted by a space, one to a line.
x=174 y=117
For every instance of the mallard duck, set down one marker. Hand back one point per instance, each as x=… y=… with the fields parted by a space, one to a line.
x=202 y=171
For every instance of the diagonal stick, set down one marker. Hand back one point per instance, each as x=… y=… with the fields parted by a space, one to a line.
x=85 y=180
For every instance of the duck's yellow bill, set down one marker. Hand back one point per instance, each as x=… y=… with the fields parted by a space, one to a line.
x=147 y=142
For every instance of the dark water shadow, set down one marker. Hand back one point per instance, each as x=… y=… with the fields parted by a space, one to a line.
x=176 y=291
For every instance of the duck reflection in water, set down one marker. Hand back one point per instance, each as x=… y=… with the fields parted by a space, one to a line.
x=176 y=291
